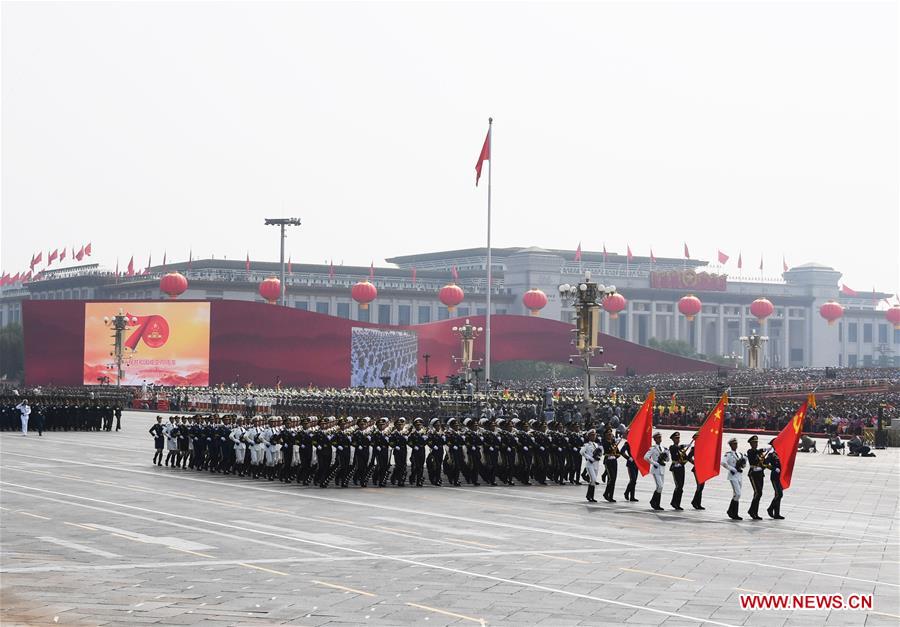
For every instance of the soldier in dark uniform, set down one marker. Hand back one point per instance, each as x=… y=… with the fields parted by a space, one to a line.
x=305 y=448
x=322 y=442
x=774 y=464
x=541 y=457
x=455 y=461
x=473 y=442
x=118 y=413
x=399 y=447
x=417 y=439
x=611 y=463
x=490 y=450
x=435 y=459
x=361 y=440
x=342 y=453
x=507 y=468
x=380 y=454
x=159 y=440
x=183 y=443
x=631 y=467
x=756 y=474
x=287 y=437
x=696 y=502
x=679 y=458
x=576 y=441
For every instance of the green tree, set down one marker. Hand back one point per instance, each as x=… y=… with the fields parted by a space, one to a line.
x=12 y=352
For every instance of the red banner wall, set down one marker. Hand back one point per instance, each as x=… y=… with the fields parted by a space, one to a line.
x=253 y=342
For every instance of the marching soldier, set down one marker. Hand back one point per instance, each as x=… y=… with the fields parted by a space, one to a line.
x=632 y=468
x=734 y=462
x=774 y=463
x=611 y=463
x=590 y=453
x=575 y=443
x=400 y=449
x=679 y=459
x=238 y=445
x=417 y=440
x=473 y=441
x=361 y=441
x=304 y=439
x=436 y=442
x=698 y=491
x=756 y=474
x=657 y=457
x=507 y=452
x=491 y=446
x=159 y=440
x=380 y=453
x=455 y=462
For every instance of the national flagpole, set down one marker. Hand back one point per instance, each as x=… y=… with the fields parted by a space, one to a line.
x=487 y=318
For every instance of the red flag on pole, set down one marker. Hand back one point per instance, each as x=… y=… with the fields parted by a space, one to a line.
x=760 y=263
x=117 y=269
x=372 y=270
x=62 y=255
x=290 y=266
x=87 y=249
x=31 y=265
x=846 y=291
x=640 y=433
x=15 y=278
x=786 y=442
x=27 y=277
x=414 y=275
x=723 y=258
x=484 y=156
x=454 y=273
x=130 y=270
x=652 y=256
x=708 y=443
x=39 y=257
x=784 y=263
x=628 y=250
x=331 y=269
x=149 y=263
x=604 y=252
x=164 y=261
x=247 y=265
x=190 y=258
x=687 y=254
x=578 y=252
x=740 y=262
x=52 y=256
x=80 y=254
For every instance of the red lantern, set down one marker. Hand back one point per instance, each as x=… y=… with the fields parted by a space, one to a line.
x=451 y=295
x=690 y=306
x=762 y=309
x=831 y=311
x=534 y=300
x=364 y=293
x=173 y=284
x=893 y=316
x=270 y=289
x=614 y=303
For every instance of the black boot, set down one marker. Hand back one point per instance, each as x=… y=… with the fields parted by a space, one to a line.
x=733 y=511
x=654 y=501
x=590 y=494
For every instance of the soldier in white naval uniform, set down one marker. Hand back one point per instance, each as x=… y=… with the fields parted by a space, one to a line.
x=240 y=447
x=657 y=456
x=592 y=466
x=734 y=461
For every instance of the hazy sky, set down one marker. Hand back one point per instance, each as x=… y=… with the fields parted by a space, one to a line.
x=762 y=127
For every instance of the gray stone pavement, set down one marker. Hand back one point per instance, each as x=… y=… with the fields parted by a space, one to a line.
x=91 y=533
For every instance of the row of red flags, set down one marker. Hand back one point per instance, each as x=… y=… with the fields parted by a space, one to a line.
x=722 y=257
x=708 y=444
x=59 y=255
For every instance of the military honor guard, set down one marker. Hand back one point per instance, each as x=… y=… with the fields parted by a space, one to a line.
x=678 y=456
x=774 y=463
x=734 y=461
x=757 y=475
x=657 y=456
x=591 y=453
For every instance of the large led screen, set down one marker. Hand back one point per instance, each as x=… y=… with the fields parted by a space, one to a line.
x=377 y=353
x=165 y=343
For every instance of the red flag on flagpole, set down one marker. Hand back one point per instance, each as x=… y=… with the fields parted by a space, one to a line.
x=149 y=263
x=130 y=270
x=164 y=261
x=31 y=265
x=760 y=263
x=786 y=442
x=454 y=273
x=604 y=252
x=640 y=433
x=117 y=269
x=331 y=269
x=687 y=254
x=578 y=252
x=372 y=270
x=628 y=250
x=846 y=291
x=484 y=156
x=52 y=256
x=190 y=258
x=784 y=263
x=740 y=262
x=652 y=256
x=39 y=257
x=87 y=249
x=290 y=266
x=80 y=254
x=708 y=443
x=62 y=255
x=723 y=258
x=247 y=265
x=414 y=275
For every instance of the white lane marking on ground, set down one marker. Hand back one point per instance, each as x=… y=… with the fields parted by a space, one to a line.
x=327 y=538
x=77 y=547
x=483 y=522
x=177 y=543
x=393 y=558
x=444 y=529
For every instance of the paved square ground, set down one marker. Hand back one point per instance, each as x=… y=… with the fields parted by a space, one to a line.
x=92 y=533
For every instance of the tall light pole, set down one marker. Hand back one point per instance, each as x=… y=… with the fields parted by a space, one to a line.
x=119 y=324
x=282 y=222
x=586 y=297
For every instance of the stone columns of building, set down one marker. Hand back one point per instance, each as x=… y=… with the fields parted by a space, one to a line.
x=629 y=322
x=820 y=283
x=786 y=332
x=536 y=268
x=651 y=332
x=721 y=344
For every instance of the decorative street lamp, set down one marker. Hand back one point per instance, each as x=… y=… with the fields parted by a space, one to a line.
x=467 y=334
x=119 y=324
x=586 y=298
x=754 y=343
x=282 y=222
